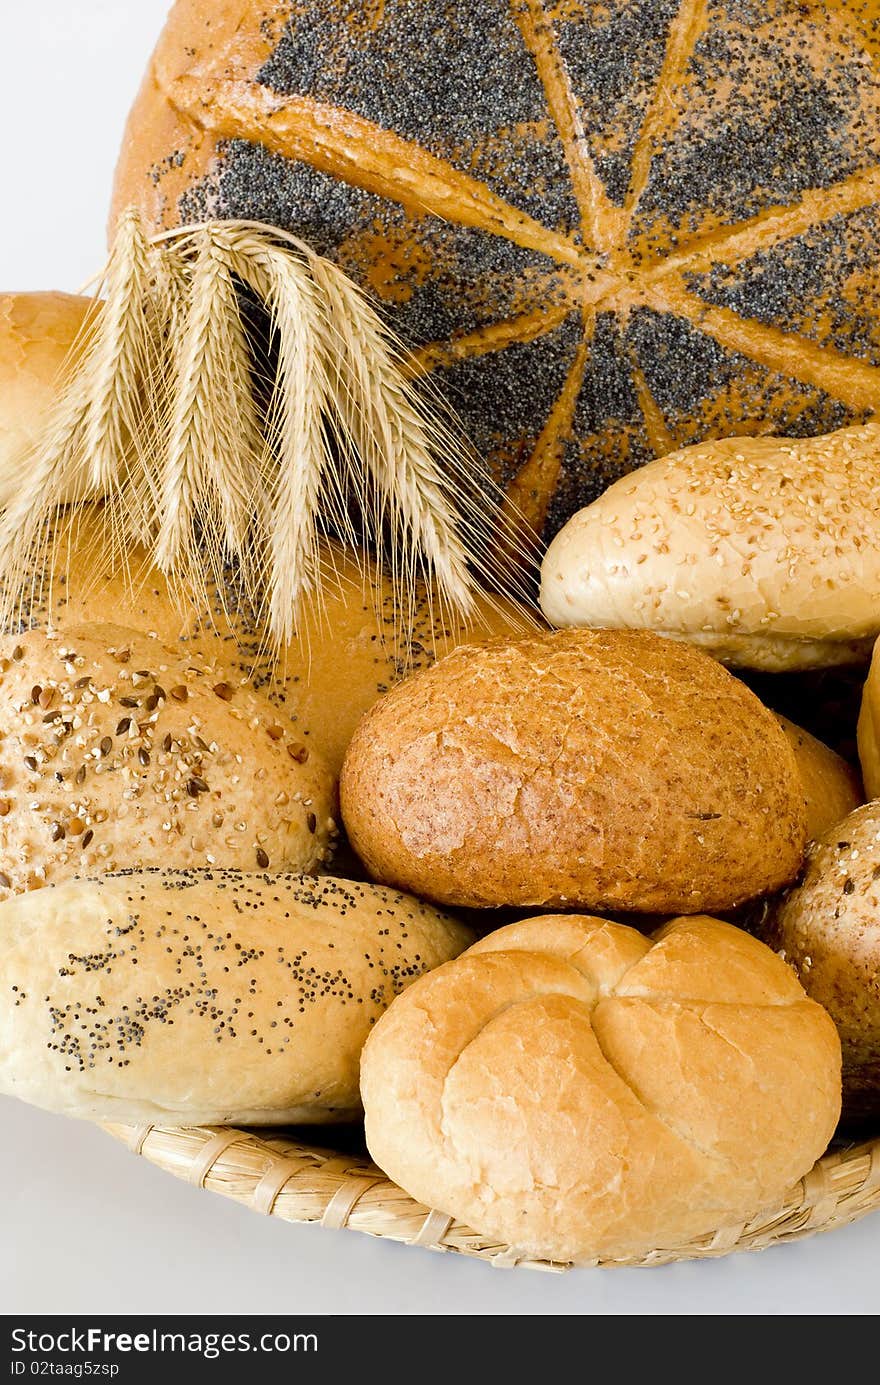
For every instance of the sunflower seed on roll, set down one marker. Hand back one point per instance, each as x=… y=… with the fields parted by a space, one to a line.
x=204 y=997
x=828 y=929
x=604 y=769
x=763 y=551
x=116 y=751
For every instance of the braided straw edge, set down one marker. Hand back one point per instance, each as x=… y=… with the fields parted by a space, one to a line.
x=281 y=1177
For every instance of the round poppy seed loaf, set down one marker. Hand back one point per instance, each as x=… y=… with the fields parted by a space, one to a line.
x=204 y=997
x=604 y=769
x=608 y=228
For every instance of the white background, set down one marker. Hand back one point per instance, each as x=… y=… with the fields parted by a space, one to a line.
x=88 y=1228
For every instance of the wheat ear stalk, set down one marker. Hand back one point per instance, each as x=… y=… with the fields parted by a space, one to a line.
x=167 y=416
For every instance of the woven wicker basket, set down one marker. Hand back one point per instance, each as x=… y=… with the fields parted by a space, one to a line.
x=277 y=1175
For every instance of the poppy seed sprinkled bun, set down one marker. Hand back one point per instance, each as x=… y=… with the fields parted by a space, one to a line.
x=602 y=769
x=580 y=1091
x=764 y=551
x=204 y=997
x=117 y=751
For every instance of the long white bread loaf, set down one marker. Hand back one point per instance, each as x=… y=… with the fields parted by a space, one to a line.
x=197 y=997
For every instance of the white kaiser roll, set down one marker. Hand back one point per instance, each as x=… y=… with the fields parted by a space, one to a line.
x=764 y=551
x=580 y=1091
x=204 y=997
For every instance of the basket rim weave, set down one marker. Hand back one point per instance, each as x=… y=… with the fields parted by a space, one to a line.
x=277 y=1175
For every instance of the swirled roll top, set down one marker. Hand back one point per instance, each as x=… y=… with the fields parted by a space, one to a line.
x=581 y=1091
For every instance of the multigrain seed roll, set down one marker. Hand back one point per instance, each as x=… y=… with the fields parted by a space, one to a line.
x=763 y=551
x=579 y=1091
x=118 y=751
x=604 y=769
x=204 y=997
x=828 y=929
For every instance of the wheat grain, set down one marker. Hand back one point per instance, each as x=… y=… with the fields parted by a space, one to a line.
x=209 y=465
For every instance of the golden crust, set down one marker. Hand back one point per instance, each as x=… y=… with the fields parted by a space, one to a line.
x=117 y=752
x=603 y=769
x=765 y=551
x=37 y=335
x=579 y=1092
x=196 y=998
x=832 y=788
x=343 y=657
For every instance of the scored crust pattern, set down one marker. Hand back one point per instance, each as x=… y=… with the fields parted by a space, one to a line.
x=698 y=276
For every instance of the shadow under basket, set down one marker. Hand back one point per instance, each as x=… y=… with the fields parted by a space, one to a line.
x=276 y=1174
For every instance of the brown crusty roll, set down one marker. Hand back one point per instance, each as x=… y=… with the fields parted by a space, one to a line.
x=117 y=751
x=603 y=769
x=828 y=929
x=38 y=332
x=204 y=997
x=581 y=1092
x=831 y=786
x=764 y=551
